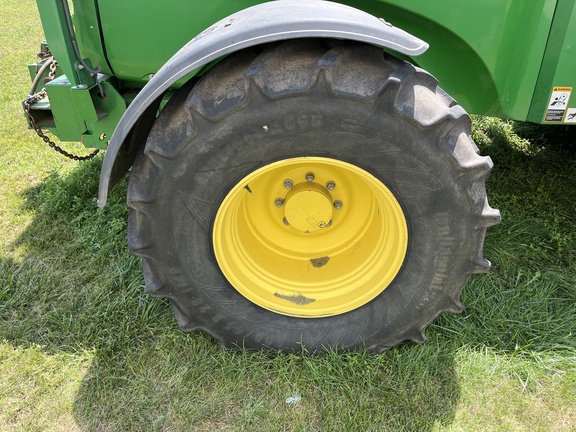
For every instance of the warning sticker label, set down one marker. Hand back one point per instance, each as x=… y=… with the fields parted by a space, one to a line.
x=558 y=104
x=570 y=116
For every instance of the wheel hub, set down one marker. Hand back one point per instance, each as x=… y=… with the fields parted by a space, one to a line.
x=308 y=207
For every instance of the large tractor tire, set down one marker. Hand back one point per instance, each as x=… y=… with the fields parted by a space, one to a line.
x=310 y=194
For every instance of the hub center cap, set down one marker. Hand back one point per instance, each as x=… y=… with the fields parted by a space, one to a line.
x=308 y=207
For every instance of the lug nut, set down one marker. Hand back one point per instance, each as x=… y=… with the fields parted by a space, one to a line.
x=321 y=225
x=288 y=184
x=310 y=177
x=337 y=204
x=329 y=224
x=279 y=202
x=286 y=221
x=330 y=185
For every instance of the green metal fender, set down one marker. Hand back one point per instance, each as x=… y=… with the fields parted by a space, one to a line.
x=266 y=22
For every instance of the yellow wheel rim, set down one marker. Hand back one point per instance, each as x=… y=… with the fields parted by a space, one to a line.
x=310 y=237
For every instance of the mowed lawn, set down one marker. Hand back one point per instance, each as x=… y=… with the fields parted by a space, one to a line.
x=83 y=347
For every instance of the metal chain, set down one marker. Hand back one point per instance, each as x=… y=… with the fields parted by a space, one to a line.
x=44 y=53
x=37 y=97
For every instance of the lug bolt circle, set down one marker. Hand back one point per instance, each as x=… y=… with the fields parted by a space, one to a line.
x=337 y=204
x=330 y=185
x=310 y=177
x=279 y=202
x=288 y=184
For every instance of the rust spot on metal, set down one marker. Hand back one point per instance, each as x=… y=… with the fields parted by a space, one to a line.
x=298 y=299
x=320 y=262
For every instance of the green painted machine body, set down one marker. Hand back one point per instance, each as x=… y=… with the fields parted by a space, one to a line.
x=504 y=58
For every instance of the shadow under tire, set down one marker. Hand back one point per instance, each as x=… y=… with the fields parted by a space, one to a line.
x=313 y=193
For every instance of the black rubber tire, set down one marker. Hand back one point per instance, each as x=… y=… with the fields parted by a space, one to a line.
x=339 y=100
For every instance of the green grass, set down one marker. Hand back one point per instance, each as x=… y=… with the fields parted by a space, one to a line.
x=83 y=347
